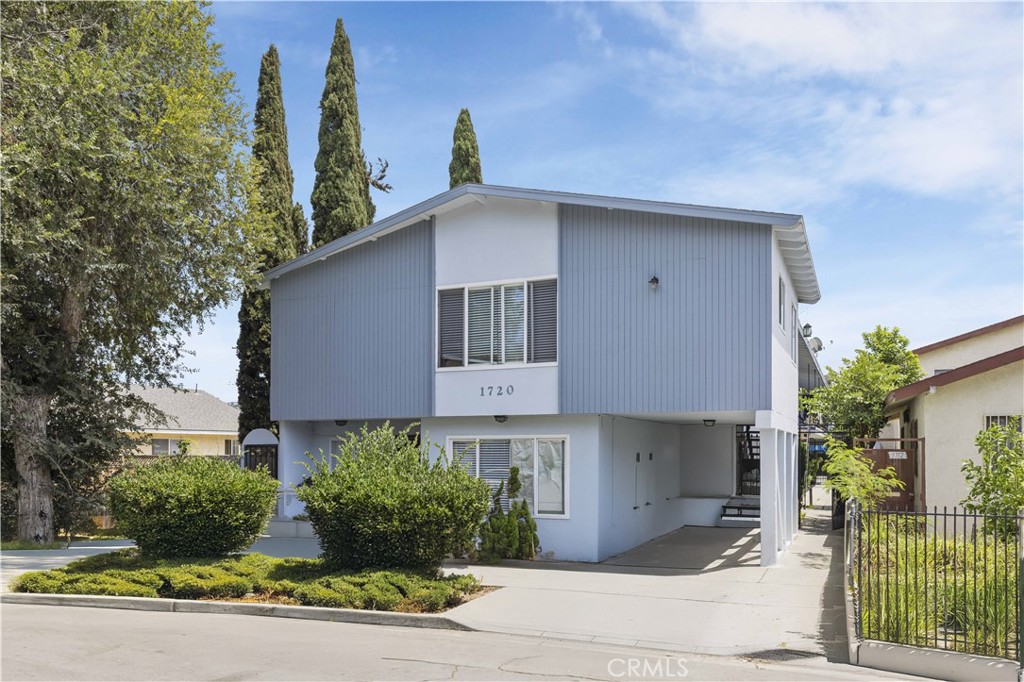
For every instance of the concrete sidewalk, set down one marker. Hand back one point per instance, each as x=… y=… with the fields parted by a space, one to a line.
x=790 y=611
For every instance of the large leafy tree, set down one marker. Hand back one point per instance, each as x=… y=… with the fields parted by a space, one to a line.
x=126 y=218
x=853 y=401
x=465 y=164
x=287 y=230
x=341 y=191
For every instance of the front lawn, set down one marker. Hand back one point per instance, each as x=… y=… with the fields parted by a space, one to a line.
x=252 y=577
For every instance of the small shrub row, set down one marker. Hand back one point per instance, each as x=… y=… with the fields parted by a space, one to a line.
x=303 y=581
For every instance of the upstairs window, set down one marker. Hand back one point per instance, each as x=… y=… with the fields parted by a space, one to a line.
x=782 y=304
x=498 y=324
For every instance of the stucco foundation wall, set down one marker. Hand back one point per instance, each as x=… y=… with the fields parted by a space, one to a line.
x=707 y=460
x=950 y=420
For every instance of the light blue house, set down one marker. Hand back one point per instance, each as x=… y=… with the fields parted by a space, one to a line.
x=637 y=360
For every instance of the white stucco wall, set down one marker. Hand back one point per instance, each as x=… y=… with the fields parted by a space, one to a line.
x=498 y=389
x=644 y=499
x=950 y=420
x=785 y=374
x=972 y=350
x=501 y=239
x=707 y=460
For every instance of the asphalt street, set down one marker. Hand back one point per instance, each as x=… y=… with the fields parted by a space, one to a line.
x=68 y=643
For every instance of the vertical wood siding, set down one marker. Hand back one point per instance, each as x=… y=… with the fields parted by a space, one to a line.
x=353 y=334
x=700 y=341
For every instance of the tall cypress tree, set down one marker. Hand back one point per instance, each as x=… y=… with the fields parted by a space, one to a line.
x=341 y=193
x=270 y=151
x=465 y=165
x=301 y=227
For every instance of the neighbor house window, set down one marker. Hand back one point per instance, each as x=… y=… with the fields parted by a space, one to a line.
x=782 y=304
x=1001 y=420
x=498 y=324
x=164 y=446
x=230 y=447
x=541 y=462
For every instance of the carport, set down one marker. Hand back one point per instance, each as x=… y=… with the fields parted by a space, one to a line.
x=696 y=548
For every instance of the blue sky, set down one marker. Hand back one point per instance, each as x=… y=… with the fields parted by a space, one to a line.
x=895 y=129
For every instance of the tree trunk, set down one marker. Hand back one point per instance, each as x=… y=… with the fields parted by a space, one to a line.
x=35 y=484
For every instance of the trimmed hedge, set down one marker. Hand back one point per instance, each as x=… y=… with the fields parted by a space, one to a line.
x=383 y=504
x=299 y=581
x=192 y=506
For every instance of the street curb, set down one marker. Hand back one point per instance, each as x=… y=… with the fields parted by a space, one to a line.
x=359 y=616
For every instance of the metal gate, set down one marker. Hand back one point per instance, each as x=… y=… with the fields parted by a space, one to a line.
x=255 y=455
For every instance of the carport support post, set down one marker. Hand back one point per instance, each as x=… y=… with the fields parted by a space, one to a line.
x=770 y=480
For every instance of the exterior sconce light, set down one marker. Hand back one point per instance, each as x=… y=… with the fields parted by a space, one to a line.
x=709 y=422
x=340 y=422
x=501 y=418
x=807 y=330
x=653 y=282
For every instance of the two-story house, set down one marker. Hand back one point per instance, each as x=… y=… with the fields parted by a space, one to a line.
x=620 y=352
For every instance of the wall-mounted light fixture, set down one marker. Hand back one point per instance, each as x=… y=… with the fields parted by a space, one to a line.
x=709 y=422
x=501 y=418
x=807 y=330
x=654 y=282
x=340 y=422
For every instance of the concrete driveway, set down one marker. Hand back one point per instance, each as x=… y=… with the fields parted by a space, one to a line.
x=653 y=597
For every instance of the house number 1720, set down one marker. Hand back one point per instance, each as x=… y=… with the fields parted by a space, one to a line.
x=486 y=391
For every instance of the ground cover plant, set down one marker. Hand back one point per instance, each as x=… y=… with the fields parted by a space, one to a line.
x=252 y=577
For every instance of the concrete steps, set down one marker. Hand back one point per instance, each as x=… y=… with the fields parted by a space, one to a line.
x=288 y=528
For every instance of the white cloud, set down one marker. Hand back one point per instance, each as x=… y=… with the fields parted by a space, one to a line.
x=922 y=98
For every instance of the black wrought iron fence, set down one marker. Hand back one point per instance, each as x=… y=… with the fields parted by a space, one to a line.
x=943 y=579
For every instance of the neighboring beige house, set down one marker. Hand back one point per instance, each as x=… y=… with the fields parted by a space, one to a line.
x=208 y=423
x=971 y=381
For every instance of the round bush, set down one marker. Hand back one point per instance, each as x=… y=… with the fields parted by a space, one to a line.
x=192 y=506
x=383 y=504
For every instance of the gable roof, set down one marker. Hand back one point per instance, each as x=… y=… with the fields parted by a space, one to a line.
x=189 y=411
x=792 y=233
x=905 y=393
x=969 y=335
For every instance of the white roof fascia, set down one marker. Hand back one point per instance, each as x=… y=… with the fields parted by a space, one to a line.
x=793 y=235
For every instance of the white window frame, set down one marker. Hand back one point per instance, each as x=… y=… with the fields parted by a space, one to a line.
x=173 y=445
x=449 y=448
x=466 y=367
x=795 y=331
x=1001 y=420
x=782 y=304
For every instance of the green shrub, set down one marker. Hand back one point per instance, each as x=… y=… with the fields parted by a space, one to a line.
x=511 y=534
x=384 y=504
x=192 y=506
